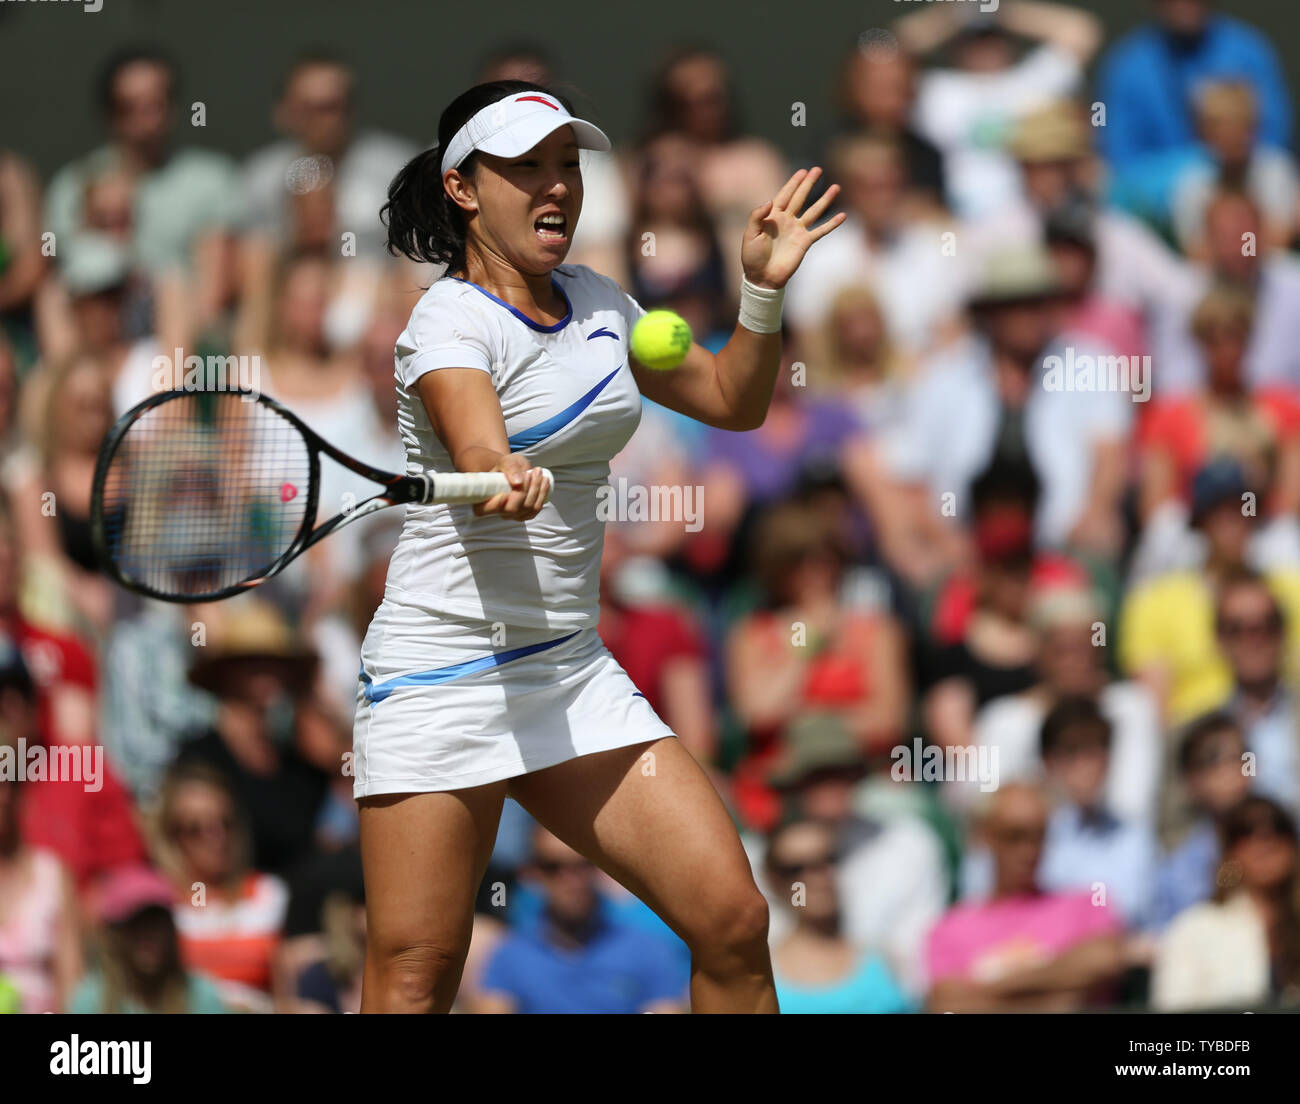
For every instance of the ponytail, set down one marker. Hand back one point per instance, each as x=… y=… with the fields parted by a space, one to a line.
x=423 y=221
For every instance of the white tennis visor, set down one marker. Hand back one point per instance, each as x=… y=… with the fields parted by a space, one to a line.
x=514 y=125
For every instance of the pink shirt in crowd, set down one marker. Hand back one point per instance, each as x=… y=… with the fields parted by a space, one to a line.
x=984 y=940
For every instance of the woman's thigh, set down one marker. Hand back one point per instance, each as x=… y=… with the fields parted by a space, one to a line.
x=423 y=856
x=649 y=816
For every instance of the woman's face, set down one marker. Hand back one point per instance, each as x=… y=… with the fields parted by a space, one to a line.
x=1266 y=859
x=1224 y=346
x=858 y=333
x=203 y=827
x=508 y=197
x=668 y=186
x=148 y=939
x=303 y=300
x=86 y=410
x=803 y=856
x=699 y=87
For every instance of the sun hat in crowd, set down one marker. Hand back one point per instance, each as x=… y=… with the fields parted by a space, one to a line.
x=126 y=891
x=816 y=742
x=1055 y=132
x=252 y=635
x=1016 y=274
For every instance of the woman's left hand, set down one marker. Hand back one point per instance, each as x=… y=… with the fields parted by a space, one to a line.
x=777 y=235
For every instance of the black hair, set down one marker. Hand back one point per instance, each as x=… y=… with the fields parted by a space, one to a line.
x=1006 y=482
x=1067 y=714
x=133 y=55
x=423 y=221
x=1199 y=733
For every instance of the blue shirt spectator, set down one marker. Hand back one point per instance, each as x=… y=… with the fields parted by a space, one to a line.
x=1186 y=876
x=1148 y=79
x=617 y=970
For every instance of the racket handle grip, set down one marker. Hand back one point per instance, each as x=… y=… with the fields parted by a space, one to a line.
x=472 y=486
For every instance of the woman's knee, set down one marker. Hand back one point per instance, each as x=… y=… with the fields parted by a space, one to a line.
x=732 y=927
x=416 y=976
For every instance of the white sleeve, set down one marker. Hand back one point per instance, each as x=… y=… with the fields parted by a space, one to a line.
x=628 y=307
x=1044 y=73
x=443 y=333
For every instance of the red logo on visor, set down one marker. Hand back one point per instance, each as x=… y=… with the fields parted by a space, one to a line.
x=536 y=99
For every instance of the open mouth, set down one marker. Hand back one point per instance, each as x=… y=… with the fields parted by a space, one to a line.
x=552 y=228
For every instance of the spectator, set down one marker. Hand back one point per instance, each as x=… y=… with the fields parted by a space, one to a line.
x=274 y=743
x=1212 y=767
x=1236 y=253
x=1242 y=948
x=53 y=494
x=856 y=361
x=672 y=254
x=968 y=110
x=229 y=916
x=1148 y=78
x=692 y=95
x=817 y=969
x=22 y=263
x=149 y=707
x=1072 y=235
x=140 y=969
x=40 y=945
x=1227 y=120
x=1252 y=632
x=579 y=959
x=1058 y=176
x=1166 y=625
x=890 y=875
x=805 y=650
x=905 y=254
x=660 y=647
x=1259 y=430
x=1023 y=949
x=86 y=818
x=186 y=199
x=1071 y=663
x=333 y=983
x=1087 y=844
x=877 y=94
x=989 y=401
x=991 y=651
x=322 y=154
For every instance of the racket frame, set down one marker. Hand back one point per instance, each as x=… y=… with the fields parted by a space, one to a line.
x=399 y=489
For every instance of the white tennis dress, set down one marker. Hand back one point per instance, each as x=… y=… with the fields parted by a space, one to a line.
x=483 y=661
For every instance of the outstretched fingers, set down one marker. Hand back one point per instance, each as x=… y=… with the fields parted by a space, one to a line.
x=819 y=208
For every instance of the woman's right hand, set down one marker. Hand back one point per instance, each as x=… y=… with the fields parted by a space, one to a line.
x=528 y=495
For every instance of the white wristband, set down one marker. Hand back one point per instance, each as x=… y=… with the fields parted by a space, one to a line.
x=760 y=308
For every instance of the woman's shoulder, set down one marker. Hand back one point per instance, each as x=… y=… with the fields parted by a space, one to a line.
x=450 y=309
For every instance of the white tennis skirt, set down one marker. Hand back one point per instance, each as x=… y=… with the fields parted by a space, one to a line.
x=445 y=702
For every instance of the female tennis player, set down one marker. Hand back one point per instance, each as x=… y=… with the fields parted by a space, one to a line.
x=482 y=672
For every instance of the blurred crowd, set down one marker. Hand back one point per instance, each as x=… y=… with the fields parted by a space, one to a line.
x=988 y=636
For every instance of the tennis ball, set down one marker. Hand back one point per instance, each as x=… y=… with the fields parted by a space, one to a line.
x=661 y=340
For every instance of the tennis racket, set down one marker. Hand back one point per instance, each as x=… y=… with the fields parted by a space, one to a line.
x=200 y=495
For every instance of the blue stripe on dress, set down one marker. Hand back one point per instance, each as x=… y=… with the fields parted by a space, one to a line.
x=375 y=694
x=526 y=438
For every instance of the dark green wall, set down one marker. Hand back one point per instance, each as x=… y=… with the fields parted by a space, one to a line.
x=413 y=55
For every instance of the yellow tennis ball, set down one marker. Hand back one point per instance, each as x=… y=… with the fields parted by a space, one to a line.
x=661 y=340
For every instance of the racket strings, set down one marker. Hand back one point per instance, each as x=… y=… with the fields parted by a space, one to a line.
x=204 y=492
